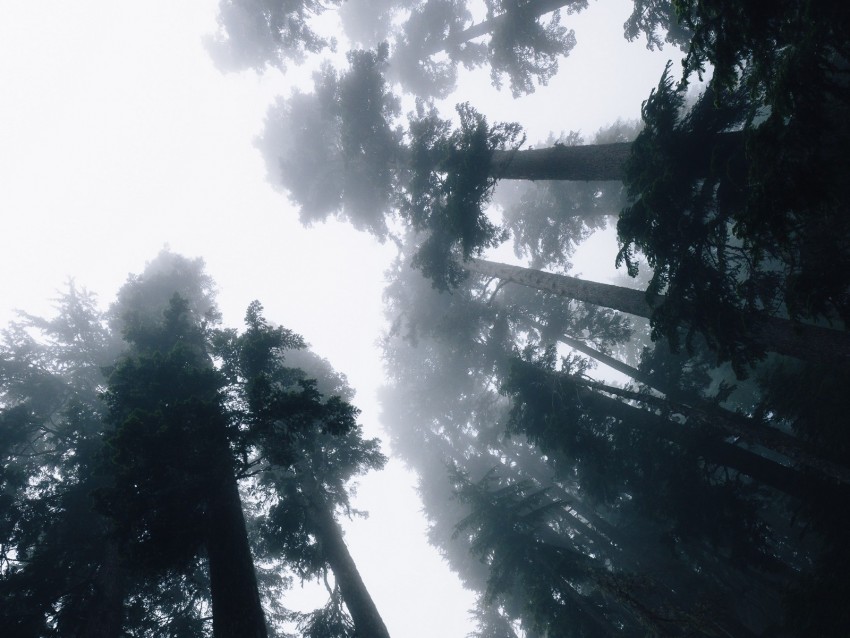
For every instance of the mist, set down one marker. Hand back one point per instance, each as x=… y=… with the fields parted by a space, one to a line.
x=492 y=319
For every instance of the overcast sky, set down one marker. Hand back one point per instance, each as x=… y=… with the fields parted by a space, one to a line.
x=118 y=137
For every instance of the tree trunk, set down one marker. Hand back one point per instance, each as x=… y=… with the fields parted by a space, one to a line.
x=802 y=341
x=367 y=621
x=614 y=364
x=759 y=468
x=591 y=162
x=237 y=612
x=106 y=615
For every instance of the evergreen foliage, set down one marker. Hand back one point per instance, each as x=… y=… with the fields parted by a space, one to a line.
x=120 y=468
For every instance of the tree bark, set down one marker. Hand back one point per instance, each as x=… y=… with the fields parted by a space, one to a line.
x=237 y=612
x=586 y=163
x=367 y=620
x=801 y=341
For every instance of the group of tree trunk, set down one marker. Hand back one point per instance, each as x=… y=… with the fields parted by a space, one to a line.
x=724 y=445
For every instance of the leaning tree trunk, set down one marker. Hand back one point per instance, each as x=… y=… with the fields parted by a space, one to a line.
x=802 y=341
x=237 y=612
x=718 y=452
x=367 y=620
x=585 y=163
x=730 y=424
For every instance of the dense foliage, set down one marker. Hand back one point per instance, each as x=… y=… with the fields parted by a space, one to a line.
x=121 y=462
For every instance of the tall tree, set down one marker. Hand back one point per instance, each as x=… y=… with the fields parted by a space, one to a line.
x=173 y=484
x=309 y=446
x=65 y=571
x=58 y=567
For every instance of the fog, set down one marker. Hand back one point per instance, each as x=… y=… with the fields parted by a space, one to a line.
x=659 y=456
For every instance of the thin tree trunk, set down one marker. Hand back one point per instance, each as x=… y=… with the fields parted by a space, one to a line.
x=614 y=364
x=237 y=612
x=367 y=620
x=730 y=423
x=802 y=341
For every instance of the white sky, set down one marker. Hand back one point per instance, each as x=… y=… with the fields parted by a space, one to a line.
x=118 y=136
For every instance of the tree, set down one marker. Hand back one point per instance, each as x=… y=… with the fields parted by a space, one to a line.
x=309 y=447
x=122 y=513
x=764 y=229
x=173 y=481
x=458 y=347
x=260 y=33
x=64 y=569
x=49 y=415
x=548 y=219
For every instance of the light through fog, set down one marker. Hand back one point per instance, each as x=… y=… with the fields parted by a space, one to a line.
x=120 y=137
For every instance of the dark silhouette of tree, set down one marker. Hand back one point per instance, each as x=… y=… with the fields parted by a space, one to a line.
x=309 y=447
x=121 y=510
x=173 y=486
x=65 y=571
x=50 y=420
x=764 y=230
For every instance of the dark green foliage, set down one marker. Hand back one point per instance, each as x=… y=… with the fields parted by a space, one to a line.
x=304 y=436
x=331 y=621
x=685 y=181
x=49 y=436
x=508 y=528
x=450 y=186
x=656 y=19
x=165 y=404
x=758 y=226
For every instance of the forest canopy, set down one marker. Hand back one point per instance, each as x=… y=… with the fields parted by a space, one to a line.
x=658 y=454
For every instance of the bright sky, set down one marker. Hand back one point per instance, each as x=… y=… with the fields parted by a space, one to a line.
x=118 y=136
